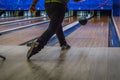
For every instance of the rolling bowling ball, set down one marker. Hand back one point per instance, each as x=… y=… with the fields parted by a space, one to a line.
x=83 y=20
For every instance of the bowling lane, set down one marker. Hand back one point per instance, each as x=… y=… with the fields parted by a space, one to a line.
x=11 y=19
x=94 y=34
x=19 y=24
x=21 y=36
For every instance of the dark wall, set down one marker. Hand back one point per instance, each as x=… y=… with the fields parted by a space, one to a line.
x=116 y=7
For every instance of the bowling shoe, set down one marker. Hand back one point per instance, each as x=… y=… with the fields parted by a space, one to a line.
x=34 y=49
x=65 y=47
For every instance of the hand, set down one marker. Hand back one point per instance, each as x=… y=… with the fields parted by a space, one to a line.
x=32 y=8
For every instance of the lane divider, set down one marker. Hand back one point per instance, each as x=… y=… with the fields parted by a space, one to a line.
x=22 y=27
x=113 y=39
x=22 y=20
x=68 y=27
x=67 y=31
x=64 y=29
x=118 y=33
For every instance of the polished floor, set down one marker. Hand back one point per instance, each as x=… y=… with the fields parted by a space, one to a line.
x=89 y=58
x=24 y=35
x=51 y=63
x=94 y=34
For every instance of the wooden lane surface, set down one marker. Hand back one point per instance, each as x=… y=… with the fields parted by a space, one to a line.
x=21 y=36
x=94 y=34
x=117 y=23
x=78 y=63
x=18 y=24
x=10 y=19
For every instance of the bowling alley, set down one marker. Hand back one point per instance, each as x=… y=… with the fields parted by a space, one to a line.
x=59 y=39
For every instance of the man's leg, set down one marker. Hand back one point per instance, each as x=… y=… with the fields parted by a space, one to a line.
x=61 y=38
x=56 y=13
x=42 y=40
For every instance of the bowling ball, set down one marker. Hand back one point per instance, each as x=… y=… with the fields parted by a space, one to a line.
x=83 y=20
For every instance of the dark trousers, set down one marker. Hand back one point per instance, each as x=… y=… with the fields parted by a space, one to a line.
x=56 y=13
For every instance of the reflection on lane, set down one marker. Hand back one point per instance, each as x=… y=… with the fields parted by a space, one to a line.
x=19 y=24
x=93 y=34
x=11 y=19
